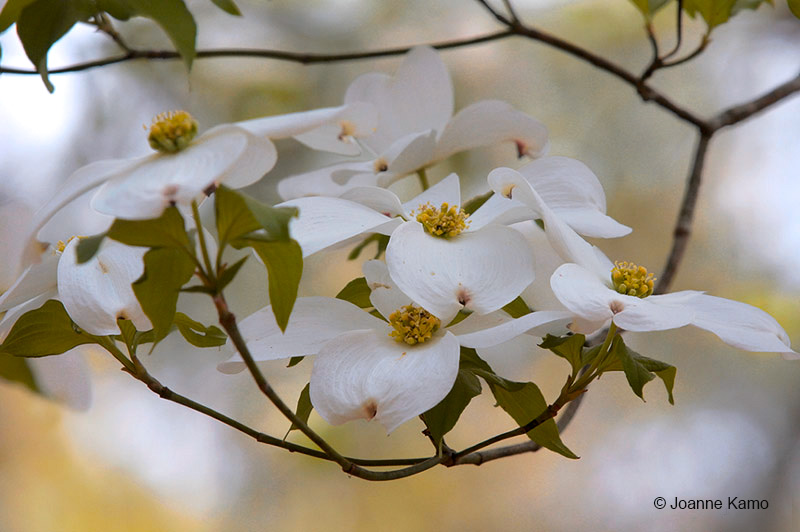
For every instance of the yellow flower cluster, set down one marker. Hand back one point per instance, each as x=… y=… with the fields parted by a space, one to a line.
x=445 y=221
x=413 y=325
x=632 y=280
x=172 y=131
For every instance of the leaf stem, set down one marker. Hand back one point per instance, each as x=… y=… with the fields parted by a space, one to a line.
x=423 y=179
x=202 y=238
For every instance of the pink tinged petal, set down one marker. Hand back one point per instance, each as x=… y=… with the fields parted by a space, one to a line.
x=314 y=321
x=368 y=375
x=64 y=378
x=491 y=122
x=378 y=199
x=323 y=222
x=575 y=194
x=384 y=296
x=448 y=190
x=81 y=181
x=178 y=178
x=329 y=181
x=35 y=280
x=99 y=291
x=536 y=323
x=563 y=239
x=418 y=97
x=337 y=135
x=405 y=156
x=481 y=270
x=741 y=325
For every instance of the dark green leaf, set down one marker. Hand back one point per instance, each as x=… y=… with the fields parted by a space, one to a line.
x=794 y=7
x=166 y=231
x=526 y=404
x=230 y=272
x=294 y=361
x=475 y=203
x=663 y=371
x=567 y=347
x=443 y=417
x=381 y=240
x=166 y=270
x=284 y=262
x=15 y=369
x=88 y=247
x=175 y=19
x=45 y=331
x=649 y=7
x=274 y=220
x=517 y=308
x=43 y=22
x=11 y=12
x=636 y=374
x=356 y=292
x=197 y=334
x=239 y=215
x=304 y=407
x=714 y=12
x=228 y=6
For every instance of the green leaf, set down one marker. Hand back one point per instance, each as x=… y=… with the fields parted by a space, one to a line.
x=239 y=215
x=567 y=347
x=714 y=12
x=284 y=262
x=166 y=231
x=649 y=7
x=639 y=370
x=517 y=308
x=794 y=7
x=16 y=369
x=45 y=331
x=381 y=240
x=304 y=407
x=475 y=203
x=197 y=334
x=356 y=292
x=43 y=22
x=526 y=404
x=443 y=417
x=294 y=361
x=88 y=247
x=11 y=12
x=173 y=17
x=229 y=273
x=228 y=6
x=166 y=270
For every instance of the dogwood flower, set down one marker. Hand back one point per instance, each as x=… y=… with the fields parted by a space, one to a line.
x=366 y=368
x=599 y=292
x=95 y=294
x=183 y=167
x=416 y=128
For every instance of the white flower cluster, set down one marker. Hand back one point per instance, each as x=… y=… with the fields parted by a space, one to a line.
x=447 y=274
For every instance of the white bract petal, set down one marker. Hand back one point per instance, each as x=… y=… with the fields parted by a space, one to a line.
x=448 y=190
x=482 y=335
x=418 y=97
x=376 y=198
x=481 y=270
x=575 y=194
x=368 y=375
x=314 y=321
x=35 y=280
x=490 y=122
x=330 y=181
x=405 y=156
x=384 y=295
x=178 y=178
x=323 y=222
x=15 y=218
x=741 y=325
x=99 y=291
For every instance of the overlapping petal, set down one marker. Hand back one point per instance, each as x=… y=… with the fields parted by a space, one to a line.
x=367 y=375
x=478 y=270
x=475 y=332
x=384 y=293
x=490 y=122
x=99 y=291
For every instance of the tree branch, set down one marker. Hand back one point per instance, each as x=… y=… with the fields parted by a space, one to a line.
x=737 y=113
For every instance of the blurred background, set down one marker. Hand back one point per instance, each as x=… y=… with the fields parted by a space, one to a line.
x=135 y=462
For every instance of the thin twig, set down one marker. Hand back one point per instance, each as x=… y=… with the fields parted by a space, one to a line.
x=511 y=11
x=679 y=32
x=697 y=51
x=104 y=24
x=683 y=226
x=495 y=13
x=737 y=113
